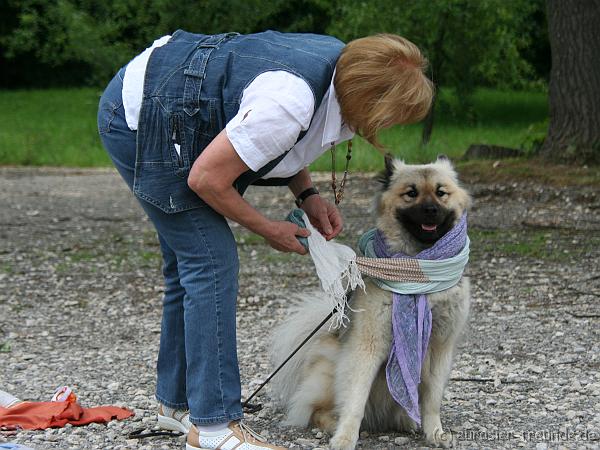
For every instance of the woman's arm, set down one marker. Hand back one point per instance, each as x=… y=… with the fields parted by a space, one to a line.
x=212 y=176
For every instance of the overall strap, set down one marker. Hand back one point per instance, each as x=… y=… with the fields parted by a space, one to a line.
x=250 y=177
x=196 y=71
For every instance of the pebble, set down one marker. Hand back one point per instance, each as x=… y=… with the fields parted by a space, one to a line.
x=536 y=369
x=80 y=297
x=401 y=440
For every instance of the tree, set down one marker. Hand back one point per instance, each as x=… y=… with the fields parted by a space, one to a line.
x=86 y=41
x=574 y=128
x=95 y=36
x=468 y=43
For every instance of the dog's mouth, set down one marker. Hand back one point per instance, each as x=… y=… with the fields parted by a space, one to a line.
x=425 y=224
x=429 y=228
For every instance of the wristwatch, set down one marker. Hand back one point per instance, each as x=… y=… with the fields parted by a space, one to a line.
x=305 y=194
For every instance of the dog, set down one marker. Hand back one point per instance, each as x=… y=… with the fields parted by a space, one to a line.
x=337 y=381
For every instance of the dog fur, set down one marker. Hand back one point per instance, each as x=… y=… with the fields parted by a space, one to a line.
x=337 y=381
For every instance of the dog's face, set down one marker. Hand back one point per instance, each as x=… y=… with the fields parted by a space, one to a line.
x=419 y=203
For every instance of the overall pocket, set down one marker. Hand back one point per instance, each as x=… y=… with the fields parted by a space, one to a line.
x=179 y=146
x=163 y=160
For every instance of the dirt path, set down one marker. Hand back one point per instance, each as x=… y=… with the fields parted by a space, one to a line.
x=80 y=290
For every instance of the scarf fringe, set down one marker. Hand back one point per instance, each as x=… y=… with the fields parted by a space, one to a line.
x=348 y=280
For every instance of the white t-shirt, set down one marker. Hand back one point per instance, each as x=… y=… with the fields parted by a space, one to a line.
x=275 y=107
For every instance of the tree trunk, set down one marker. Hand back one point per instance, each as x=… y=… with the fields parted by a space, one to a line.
x=428 y=122
x=436 y=71
x=574 y=130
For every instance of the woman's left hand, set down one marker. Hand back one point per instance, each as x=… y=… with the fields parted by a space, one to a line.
x=324 y=216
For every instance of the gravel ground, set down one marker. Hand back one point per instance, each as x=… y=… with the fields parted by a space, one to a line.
x=80 y=293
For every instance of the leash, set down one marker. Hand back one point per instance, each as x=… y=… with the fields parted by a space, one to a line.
x=252 y=408
x=141 y=433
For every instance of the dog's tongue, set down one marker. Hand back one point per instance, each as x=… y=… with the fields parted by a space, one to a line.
x=428 y=227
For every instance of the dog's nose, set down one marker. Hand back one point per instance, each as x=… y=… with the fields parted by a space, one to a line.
x=430 y=209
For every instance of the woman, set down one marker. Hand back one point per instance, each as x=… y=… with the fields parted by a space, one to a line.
x=193 y=121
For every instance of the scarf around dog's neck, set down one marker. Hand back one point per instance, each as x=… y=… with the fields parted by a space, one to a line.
x=442 y=265
x=409 y=278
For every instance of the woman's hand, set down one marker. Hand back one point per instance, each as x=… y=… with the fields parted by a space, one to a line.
x=324 y=216
x=282 y=237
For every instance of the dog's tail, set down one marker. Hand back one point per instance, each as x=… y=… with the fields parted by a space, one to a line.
x=297 y=386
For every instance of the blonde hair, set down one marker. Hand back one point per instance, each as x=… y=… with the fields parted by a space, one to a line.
x=380 y=81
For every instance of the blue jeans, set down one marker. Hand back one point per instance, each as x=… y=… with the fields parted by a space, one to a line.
x=197 y=361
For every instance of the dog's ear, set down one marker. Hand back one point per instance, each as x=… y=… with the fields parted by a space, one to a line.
x=441 y=158
x=385 y=177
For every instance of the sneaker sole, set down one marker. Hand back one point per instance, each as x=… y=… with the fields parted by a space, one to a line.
x=168 y=423
x=191 y=447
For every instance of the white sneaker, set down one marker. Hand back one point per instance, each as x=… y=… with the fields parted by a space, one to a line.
x=173 y=419
x=236 y=436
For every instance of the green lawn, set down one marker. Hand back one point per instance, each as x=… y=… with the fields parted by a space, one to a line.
x=502 y=118
x=57 y=127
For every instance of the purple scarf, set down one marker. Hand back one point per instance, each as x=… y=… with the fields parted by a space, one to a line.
x=411 y=322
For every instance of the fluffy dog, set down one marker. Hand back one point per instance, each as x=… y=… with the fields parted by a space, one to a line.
x=337 y=381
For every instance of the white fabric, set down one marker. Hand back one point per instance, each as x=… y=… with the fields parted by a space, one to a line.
x=336 y=268
x=222 y=427
x=133 y=83
x=275 y=108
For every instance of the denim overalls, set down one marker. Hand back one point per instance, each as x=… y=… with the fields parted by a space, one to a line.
x=192 y=88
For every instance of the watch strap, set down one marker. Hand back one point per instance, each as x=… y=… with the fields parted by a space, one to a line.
x=305 y=194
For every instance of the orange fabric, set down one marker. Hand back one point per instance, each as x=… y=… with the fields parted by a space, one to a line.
x=41 y=415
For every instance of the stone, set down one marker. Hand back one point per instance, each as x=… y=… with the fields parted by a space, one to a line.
x=401 y=440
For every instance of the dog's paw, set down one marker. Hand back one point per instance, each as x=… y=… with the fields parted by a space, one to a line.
x=343 y=442
x=439 y=438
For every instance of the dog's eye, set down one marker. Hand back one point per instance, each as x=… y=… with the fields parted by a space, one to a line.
x=412 y=193
x=440 y=193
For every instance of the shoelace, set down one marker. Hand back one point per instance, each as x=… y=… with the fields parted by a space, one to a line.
x=245 y=428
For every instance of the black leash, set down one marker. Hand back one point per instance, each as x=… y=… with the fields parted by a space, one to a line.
x=139 y=434
x=252 y=408
x=249 y=408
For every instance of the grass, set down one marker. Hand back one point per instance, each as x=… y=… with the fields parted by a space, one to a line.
x=550 y=244
x=144 y=255
x=483 y=171
x=246 y=238
x=52 y=127
x=501 y=118
x=57 y=127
